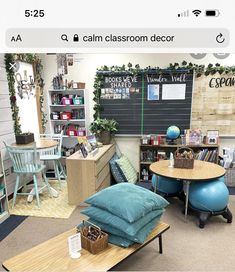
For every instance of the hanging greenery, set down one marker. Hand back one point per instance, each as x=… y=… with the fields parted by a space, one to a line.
x=9 y=59
x=199 y=70
x=37 y=66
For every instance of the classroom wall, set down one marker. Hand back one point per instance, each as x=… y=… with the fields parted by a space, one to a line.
x=84 y=70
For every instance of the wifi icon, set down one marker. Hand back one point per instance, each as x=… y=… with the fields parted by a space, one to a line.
x=196 y=12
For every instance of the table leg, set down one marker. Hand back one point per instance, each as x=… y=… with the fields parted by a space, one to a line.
x=187 y=184
x=160 y=244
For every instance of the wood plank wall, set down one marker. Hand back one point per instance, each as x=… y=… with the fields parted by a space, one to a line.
x=6 y=127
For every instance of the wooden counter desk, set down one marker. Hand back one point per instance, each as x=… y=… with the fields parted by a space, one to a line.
x=86 y=176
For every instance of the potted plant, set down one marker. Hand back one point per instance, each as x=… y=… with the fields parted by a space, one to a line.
x=25 y=138
x=103 y=129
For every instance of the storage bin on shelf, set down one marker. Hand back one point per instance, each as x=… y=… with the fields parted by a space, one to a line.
x=2 y=190
x=81 y=131
x=65 y=115
x=184 y=158
x=67 y=101
x=78 y=100
x=92 y=238
x=55 y=115
x=79 y=85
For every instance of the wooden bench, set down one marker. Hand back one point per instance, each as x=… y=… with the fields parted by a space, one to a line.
x=53 y=255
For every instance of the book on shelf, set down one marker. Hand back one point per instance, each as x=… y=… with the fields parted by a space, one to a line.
x=161 y=155
x=195 y=137
x=206 y=155
x=148 y=155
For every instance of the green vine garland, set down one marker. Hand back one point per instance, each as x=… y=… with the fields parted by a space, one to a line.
x=173 y=67
x=34 y=60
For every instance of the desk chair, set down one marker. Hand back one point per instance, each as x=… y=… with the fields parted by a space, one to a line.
x=26 y=161
x=54 y=154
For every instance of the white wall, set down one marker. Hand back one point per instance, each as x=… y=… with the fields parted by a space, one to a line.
x=84 y=71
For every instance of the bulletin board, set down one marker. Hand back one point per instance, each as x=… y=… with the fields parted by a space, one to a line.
x=214 y=103
x=149 y=102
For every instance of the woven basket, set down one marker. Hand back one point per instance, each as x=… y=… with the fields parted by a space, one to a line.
x=182 y=162
x=99 y=243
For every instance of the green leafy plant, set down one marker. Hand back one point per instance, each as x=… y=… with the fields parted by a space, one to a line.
x=102 y=124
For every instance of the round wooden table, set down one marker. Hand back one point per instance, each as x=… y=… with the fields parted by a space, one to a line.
x=202 y=171
x=40 y=144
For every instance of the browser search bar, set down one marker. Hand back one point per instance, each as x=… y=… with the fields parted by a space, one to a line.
x=117 y=38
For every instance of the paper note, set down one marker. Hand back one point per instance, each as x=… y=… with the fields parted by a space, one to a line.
x=173 y=91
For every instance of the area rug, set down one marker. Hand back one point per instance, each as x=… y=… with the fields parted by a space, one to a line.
x=50 y=206
x=10 y=224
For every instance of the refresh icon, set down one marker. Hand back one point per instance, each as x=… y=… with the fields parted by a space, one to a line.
x=220 y=38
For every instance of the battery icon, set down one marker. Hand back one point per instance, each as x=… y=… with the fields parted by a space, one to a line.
x=212 y=13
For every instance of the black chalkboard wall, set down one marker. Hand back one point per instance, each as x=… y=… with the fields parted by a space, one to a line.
x=148 y=103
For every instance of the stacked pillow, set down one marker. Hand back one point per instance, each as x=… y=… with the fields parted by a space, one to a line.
x=122 y=169
x=128 y=213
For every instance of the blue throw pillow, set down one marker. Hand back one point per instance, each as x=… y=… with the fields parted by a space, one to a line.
x=139 y=237
x=115 y=170
x=119 y=241
x=119 y=223
x=128 y=201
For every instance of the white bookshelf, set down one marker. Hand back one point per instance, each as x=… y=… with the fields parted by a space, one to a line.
x=55 y=105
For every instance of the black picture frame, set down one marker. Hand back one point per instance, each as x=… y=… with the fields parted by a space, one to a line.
x=83 y=150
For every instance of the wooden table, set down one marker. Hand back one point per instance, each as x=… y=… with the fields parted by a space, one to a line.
x=202 y=171
x=53 y=255
x=40 y=144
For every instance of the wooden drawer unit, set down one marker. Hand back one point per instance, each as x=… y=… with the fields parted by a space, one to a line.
x=86 y=176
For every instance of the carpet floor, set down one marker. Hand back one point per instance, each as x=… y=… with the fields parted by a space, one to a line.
x=186 y=247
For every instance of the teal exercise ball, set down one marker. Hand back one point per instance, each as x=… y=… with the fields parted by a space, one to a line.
x=212 y=196
x=167 y=185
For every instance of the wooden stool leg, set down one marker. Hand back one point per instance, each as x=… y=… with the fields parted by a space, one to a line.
x=160 y=244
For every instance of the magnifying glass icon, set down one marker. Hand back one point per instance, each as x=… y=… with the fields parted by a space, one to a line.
x=64 y=37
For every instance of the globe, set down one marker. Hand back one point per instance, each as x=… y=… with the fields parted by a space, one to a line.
x=172 y=133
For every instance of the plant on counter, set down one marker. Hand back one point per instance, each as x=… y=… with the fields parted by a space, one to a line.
x=104 y=128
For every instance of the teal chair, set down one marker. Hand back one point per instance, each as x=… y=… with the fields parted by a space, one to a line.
x=26 y=161
x=54 y=155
